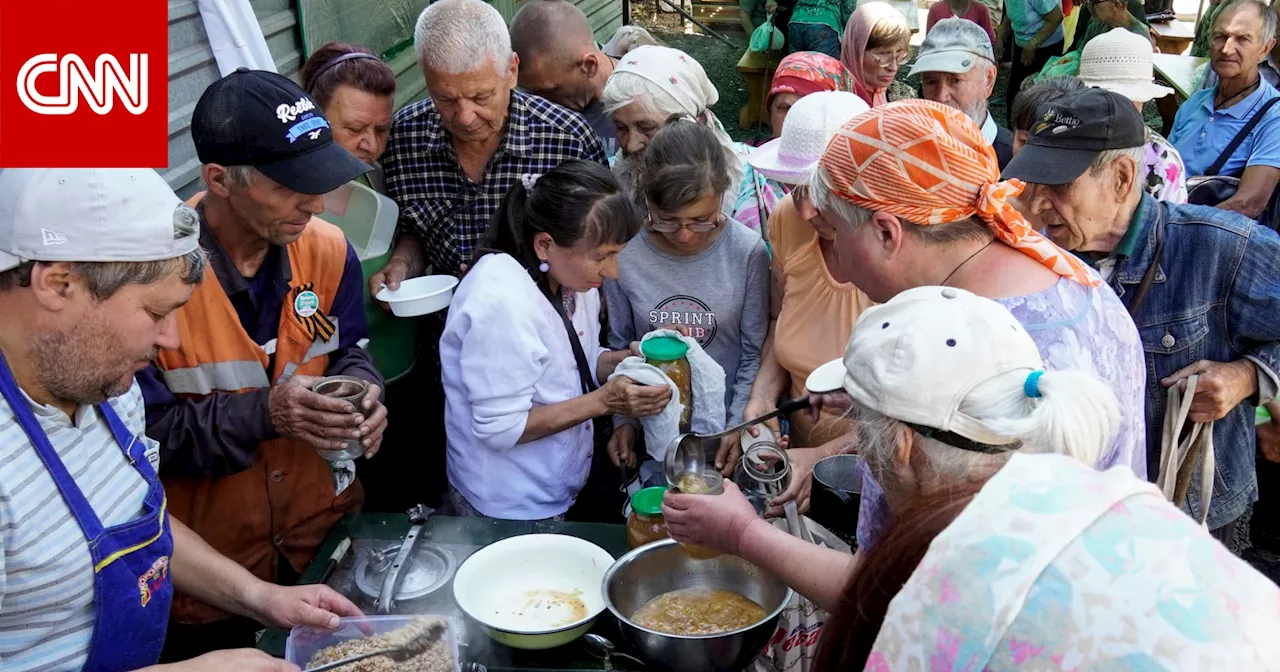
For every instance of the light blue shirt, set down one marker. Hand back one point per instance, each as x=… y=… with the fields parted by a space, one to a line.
x=1201 y=133
x=1026 y=17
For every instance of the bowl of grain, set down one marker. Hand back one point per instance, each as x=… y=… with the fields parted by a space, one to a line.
x=309 y=646
x=535 y=591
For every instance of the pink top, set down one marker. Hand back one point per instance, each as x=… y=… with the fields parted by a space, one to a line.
x=978 y=13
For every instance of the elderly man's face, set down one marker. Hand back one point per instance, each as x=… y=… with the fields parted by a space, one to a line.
x=272 y=211
x=87 y=350
x=1236 y=46
x=1081 y=216
x=964 y=91
x=473 y=105
x=567 y=81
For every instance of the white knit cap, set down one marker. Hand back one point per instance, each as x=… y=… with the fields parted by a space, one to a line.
x=916 y=357
x=1120 y=61
x=810 y=124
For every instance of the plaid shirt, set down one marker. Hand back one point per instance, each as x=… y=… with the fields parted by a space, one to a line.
x=449 y=212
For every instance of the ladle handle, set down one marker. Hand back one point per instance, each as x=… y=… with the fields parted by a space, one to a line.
x=798 y=404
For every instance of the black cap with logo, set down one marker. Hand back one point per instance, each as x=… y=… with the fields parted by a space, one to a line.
x=1071 y=131
x=261 y=119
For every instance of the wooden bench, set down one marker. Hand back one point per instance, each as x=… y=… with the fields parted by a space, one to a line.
x=1172 y=37
x=757 y=69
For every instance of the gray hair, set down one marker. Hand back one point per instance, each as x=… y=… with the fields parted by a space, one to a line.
x=241 y=176
x=1077 y=415
x=839 y=211
x=457 y=36
x=1136 y=154
x=105 y=278
x=1265 y=13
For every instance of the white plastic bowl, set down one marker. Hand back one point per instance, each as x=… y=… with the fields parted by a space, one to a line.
x=515 y=589
x=419 y=296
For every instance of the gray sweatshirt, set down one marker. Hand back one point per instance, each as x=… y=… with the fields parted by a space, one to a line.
x=721 y=294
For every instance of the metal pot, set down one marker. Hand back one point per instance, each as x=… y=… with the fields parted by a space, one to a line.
x=661 y=567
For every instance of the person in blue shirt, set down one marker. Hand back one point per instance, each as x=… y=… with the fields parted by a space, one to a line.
x=1210 y=306
x=1242 y=37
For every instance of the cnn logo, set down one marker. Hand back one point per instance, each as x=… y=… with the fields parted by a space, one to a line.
x=100 y=87
x=84 y=84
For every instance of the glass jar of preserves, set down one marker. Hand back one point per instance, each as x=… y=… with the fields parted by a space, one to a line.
x=645 y=524
x=708 y=482
x=669 y=355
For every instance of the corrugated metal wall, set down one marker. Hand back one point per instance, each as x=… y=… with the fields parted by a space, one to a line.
x=192 y=68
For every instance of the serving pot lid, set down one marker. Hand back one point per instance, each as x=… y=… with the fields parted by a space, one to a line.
x=427 y=569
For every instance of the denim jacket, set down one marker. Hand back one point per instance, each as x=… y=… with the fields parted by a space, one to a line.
x=1216 y=296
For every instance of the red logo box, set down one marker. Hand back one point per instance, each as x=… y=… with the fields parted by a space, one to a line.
x=84 y=84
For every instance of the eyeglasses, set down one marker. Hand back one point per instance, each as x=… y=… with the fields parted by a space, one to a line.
x=695 y=226
x=899 y=58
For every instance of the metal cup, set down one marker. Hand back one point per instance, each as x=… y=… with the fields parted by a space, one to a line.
x=352 y=391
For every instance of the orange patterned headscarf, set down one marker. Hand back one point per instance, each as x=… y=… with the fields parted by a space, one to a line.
x=929 y=164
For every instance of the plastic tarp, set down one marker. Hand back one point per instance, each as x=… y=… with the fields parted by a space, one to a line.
x=235 y=36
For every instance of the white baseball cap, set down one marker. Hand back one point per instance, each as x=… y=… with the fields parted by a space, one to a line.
x=953 y=45
x=918 y=356
x=810 y=125
x=90 y=215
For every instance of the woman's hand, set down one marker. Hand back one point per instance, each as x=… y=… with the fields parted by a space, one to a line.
x=1028 y=55
x=624 y=396
x=714 y=521
x=622 y=446
x=800 y=488
x=840 y=401
x=758 y=407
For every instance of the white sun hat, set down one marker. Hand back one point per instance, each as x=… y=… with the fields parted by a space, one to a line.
x=1120 y=61
x=916 y=357
x=810 y=124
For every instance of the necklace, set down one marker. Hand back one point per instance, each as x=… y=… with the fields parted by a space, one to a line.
x=1239 y=93
x=967 y=260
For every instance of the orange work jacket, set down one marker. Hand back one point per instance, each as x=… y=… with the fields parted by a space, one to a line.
x=285 y=503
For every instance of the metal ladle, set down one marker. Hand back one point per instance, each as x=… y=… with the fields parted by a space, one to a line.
x=602 y=648
x=687 y=453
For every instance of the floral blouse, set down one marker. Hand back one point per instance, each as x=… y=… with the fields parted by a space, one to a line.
x=1166 y=176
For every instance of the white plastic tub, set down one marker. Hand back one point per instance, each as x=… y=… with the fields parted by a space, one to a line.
x=304 y=641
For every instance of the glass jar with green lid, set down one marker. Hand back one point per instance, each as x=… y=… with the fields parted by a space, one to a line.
x=645 y=525
x=670 y=355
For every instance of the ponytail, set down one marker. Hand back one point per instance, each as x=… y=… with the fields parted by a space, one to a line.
x=1075 y=414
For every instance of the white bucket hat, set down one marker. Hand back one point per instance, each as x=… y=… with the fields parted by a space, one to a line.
x=918 y=356
x=1120 y=61
x=811 y=123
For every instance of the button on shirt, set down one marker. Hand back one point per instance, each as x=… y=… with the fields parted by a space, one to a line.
x=437 y=200
x=1201 y=133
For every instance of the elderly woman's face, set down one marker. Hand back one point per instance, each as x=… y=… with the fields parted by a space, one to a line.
x=779 y=106
x=880 y=65
x=580 y=268
x=361 y=121
x=865 y=256
x=635 y=126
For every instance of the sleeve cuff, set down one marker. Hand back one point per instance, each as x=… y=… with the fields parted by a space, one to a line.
x=1268 y=383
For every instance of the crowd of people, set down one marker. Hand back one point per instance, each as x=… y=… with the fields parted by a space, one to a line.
x=1017 y=311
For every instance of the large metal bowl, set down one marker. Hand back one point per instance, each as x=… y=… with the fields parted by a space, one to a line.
x=661 y=567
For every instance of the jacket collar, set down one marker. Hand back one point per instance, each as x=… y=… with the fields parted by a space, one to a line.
x=1142 y=233
x=225 y=270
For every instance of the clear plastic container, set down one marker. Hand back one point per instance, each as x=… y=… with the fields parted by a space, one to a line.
x=304 y=640
x=366 y=217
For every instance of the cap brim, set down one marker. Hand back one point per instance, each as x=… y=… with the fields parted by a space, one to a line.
x=1138 y=92
x=827 y=378
x=946 y=61
x=767 y=161
x=9 y=262
x=317 y=172
x=1037 y=164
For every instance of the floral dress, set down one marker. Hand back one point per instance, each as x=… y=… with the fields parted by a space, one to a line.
x=1166 y=176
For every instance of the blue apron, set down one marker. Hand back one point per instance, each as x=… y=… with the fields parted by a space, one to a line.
x=131 y=586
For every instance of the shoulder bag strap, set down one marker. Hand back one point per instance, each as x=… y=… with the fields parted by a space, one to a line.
x=584 y=368
x=1140 y=295
x=1239 y=139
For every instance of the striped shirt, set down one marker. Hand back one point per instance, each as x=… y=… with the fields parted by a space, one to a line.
x=46 y=572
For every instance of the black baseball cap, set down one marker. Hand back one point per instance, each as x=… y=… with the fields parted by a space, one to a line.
x=261 y=119
x=1071 y=131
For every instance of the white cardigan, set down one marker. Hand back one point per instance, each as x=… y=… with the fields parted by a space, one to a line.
x=504 y=350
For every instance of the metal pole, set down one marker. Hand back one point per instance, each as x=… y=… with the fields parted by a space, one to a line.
x=626 y=12
x=698 y=23
x=1199 y=12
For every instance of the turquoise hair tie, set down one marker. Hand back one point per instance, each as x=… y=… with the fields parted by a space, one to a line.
x=1031 y=386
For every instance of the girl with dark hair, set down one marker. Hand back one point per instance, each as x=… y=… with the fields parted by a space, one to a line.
x=692 y=269
x=520 y=353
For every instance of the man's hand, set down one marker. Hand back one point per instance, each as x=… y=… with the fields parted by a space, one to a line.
x=392 y=274
x=1028 y=55
x=286 y=606
x=240 y=660
x=375 y=421
x=323 y=422
x=622 y=446
x=714 y=521
x=1222 y=386
x=1269 y=434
